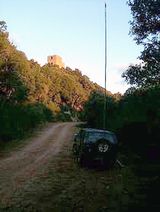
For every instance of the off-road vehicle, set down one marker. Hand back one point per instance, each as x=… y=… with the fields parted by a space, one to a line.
x=94 y=145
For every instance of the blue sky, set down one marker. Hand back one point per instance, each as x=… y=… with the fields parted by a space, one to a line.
x=74 y=29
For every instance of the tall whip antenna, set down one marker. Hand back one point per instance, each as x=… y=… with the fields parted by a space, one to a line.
x=104 y=114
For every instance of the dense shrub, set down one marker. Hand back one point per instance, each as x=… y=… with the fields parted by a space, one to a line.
x=16 y=120
x=135 y=117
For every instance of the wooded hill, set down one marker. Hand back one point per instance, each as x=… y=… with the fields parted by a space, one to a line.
x=31 y=94
x=26 y=80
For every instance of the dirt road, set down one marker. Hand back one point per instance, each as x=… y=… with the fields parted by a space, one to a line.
x=28 y=163
x=41 y=176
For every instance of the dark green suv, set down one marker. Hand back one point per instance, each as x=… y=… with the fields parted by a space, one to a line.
x=93 y=145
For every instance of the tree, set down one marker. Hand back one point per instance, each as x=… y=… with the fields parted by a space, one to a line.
x=94 y=110
x=146 y=19
x=145 y=28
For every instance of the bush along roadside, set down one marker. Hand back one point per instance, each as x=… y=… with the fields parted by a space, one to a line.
x=17 y=120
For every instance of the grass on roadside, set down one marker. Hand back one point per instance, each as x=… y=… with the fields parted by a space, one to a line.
x=66 y=187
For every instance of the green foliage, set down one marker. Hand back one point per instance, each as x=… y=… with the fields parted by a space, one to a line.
x=135 y=116
x=140 y=115
x=148 y=72
x=17 y=120
x=146 y=18
x=63 y=117
x=146 y=29
x=140 y=107
x=34 y=93
x=94 y=110
x=67 y=86
x=11 y=88
x=16 y=87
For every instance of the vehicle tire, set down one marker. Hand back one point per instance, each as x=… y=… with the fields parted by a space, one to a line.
x=103 y=146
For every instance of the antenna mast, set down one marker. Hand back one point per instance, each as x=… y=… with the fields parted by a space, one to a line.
x=104 y=114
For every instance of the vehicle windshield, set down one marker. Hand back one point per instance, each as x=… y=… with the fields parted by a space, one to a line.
x=92 y=137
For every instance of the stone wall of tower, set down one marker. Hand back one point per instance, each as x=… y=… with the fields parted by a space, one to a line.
x=55 y=60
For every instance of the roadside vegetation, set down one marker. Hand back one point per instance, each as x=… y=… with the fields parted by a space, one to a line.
x=135 y=116
x=56 y=183
x=31 y=95
x=61 y=185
